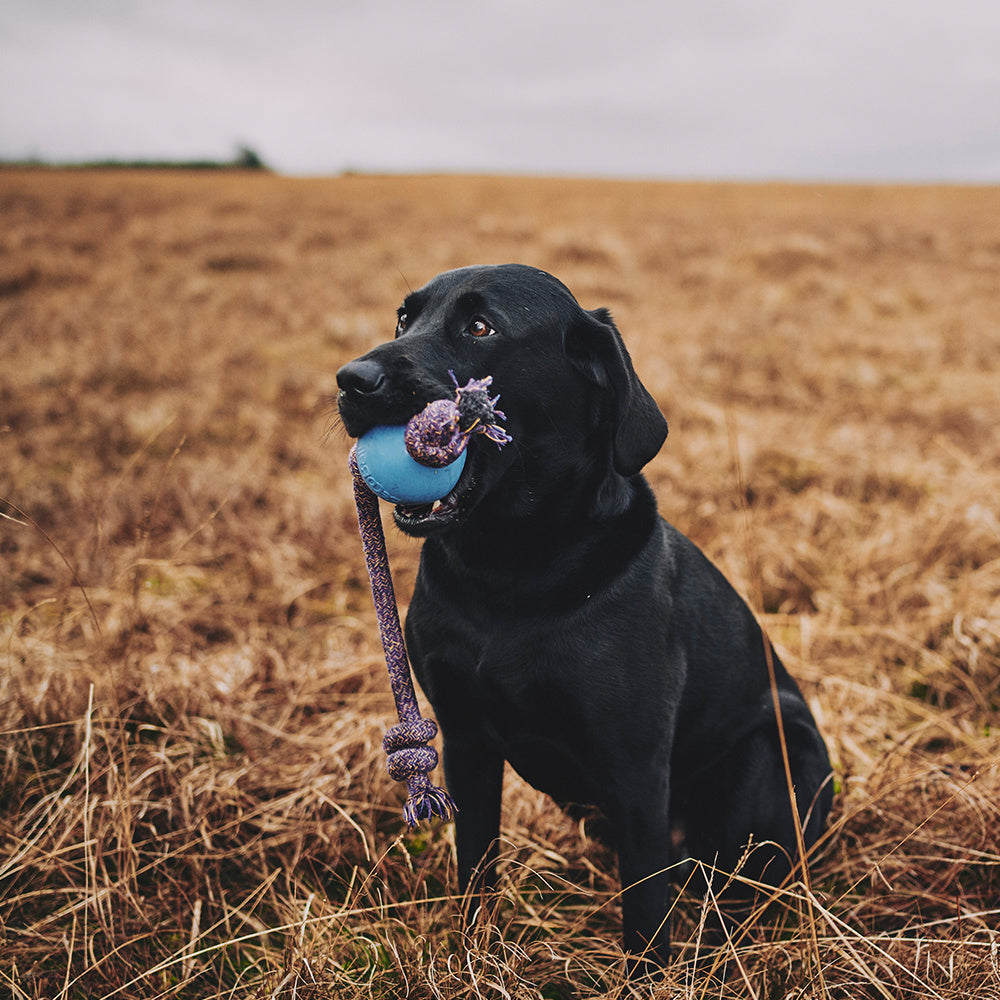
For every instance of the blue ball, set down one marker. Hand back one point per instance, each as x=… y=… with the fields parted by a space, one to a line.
x=391 y=473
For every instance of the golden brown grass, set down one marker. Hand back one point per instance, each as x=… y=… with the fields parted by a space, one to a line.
x=194 y=800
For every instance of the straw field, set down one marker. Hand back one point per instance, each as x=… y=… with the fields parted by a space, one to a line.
x=192 y=695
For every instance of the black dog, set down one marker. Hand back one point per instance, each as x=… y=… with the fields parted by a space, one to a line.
x=560 y=624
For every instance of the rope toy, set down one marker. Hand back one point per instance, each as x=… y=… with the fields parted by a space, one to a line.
x=415 y=464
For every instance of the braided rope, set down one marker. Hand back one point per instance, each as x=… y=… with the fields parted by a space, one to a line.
x=435 y=436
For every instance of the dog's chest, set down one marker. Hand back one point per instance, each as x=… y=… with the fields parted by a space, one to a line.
x=550 y=690
x=527 y=694
x=538 y=726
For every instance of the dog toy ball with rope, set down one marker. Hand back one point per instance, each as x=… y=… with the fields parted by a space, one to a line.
x=415 y=464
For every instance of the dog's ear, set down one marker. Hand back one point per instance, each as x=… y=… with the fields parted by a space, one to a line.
x=595 y=347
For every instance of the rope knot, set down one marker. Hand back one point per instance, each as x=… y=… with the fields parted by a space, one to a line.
x=409 y=733
x=407 y=753
x=410 y=759
x=438 y=434
x=433 y=436
x=409 y=762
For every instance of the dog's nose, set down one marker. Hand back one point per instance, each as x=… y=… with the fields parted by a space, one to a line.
x=363 y=377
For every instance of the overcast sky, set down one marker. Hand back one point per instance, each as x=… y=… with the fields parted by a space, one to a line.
x=887 y=90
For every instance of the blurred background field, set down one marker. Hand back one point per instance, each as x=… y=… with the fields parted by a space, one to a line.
x=192 y=694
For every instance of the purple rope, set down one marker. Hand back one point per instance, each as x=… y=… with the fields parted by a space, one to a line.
x=435 y=436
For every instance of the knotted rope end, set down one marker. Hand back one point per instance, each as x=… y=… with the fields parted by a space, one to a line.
x=477 y=411
x=410 y=759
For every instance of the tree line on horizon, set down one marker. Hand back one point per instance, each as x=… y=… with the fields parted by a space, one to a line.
x=245 y=158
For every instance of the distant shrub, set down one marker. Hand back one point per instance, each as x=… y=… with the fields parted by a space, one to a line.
x=247 y=159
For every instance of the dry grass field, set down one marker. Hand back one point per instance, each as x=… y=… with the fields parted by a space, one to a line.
x=192 y=695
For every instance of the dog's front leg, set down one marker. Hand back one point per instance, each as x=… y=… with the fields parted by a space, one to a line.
x=474 y=774
x=644 y=859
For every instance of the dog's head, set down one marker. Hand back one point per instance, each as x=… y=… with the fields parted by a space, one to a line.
x=575 y=408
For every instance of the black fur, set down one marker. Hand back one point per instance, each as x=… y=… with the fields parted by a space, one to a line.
x=560 y=624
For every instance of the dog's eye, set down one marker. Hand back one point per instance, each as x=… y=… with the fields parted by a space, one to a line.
x=480 y=328
x=400 y=323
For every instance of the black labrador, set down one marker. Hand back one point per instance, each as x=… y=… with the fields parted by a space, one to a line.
x=560 y=624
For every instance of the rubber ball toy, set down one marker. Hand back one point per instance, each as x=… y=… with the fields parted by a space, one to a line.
x=391 y=473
